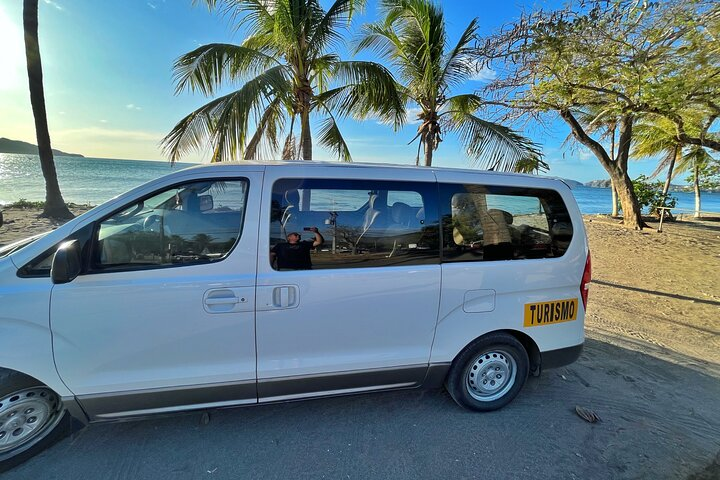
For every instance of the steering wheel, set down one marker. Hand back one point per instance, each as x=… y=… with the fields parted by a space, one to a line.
x=152 y=223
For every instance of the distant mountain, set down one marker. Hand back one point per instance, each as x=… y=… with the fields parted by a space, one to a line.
x=598 y=183
x=673 y=187
x=24 y=148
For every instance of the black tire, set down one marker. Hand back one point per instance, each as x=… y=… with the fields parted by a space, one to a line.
x=54 y=421
x=489 y=373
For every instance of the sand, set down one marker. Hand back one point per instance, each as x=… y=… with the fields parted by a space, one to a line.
x=651 y=364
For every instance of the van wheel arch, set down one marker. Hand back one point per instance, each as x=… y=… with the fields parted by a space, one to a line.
x=531 y=348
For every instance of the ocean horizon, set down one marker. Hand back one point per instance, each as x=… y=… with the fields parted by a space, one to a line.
x=92 y=181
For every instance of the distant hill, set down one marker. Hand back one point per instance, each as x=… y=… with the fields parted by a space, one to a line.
x=24 y=148
x=598 y=183
x=673 y=187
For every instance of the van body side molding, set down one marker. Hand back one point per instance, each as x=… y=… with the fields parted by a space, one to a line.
x=285 y=388
x=108 y=406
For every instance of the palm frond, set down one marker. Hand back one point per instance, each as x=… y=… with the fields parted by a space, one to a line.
x=495 y=146
x=327 y=32
x=224 y=121
x=332 y=139
x=463 y=104
x=695 y=155
x=265 y=141
x=370 y=90
x=460 y=64
x=206 y=67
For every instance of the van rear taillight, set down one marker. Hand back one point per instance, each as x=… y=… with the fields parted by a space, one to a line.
x=585 y=284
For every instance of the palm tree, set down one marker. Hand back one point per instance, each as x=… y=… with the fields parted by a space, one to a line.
x=412 y=37
x=658 y=136
x=697 y=159
x=288 y=70
x=54 y=204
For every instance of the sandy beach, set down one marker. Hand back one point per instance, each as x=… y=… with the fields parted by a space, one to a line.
x=651 y=367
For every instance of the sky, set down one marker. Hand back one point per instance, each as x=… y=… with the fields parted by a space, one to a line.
x=109 y=88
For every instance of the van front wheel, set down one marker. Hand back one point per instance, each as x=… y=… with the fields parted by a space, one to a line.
x=32 y=417
x=489 y=373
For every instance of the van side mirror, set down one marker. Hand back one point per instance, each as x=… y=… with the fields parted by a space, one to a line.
x=66 y=263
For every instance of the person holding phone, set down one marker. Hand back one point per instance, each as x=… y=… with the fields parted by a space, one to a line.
x=295 y=253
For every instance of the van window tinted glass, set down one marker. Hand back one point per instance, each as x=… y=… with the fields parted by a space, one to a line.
x=191 y=223
x=363 y=223
x=485 y=223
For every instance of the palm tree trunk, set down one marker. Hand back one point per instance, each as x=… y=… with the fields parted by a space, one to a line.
x=306 y=134
x=696 y=184
x=54 y=204
x=304 y=94
x=666 y=187
x=428 y=152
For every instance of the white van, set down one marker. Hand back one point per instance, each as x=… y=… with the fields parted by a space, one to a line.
x=239 y=284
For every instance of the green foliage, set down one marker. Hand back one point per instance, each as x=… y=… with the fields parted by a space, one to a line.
x=649 y=195
x=708 y=176
x=286 y=69
x=27 y=204
x=412 y=36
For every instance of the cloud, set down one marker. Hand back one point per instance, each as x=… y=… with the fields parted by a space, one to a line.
x=103 y=121
x=53 y=4
x=111 y=134
x=62 y=113
x=152 y=5
x=485 y=75
x=584 y=155
x=132 y=106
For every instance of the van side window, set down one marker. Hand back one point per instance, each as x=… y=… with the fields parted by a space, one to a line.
x=364 y=223
x=194 y=222
x=485 y=223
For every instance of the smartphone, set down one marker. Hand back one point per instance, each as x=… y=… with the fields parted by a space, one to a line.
x=308 y=229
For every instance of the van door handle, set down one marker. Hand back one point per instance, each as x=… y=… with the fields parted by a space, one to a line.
x=285 y=296
x=229 y=300
x=278 y=297
x=224 y=301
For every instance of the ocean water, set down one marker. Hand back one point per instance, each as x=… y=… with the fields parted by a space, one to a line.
x=96 y=180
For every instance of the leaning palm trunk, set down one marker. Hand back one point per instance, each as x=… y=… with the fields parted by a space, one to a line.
x=671 y=166
x=54 y=204
x=696 y=184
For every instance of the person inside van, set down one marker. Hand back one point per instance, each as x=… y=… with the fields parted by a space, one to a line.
x=295 y=253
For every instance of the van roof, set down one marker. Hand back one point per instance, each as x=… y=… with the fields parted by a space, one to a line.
x=359 y=165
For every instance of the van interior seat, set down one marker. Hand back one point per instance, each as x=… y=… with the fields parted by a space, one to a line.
x=403 y=215
x=369 y=218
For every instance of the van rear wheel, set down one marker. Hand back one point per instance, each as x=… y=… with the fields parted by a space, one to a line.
x=489 y=373
x=32 y=418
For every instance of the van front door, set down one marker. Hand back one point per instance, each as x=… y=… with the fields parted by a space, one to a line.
x=164 y=317
x=363 y=317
